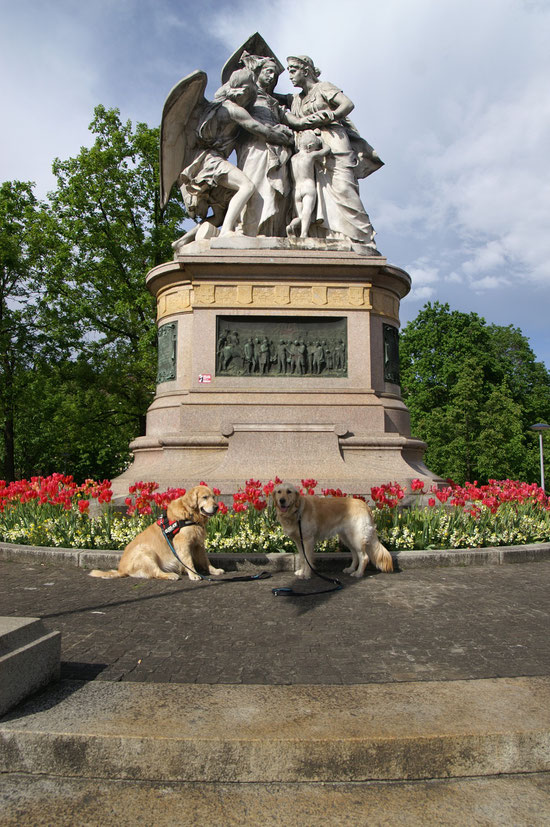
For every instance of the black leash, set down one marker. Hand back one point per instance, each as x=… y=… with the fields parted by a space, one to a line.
x=288 y=591
x=170 y=528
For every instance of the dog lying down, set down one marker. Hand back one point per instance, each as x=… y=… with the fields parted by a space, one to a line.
x=323 y=517
x=149 y=555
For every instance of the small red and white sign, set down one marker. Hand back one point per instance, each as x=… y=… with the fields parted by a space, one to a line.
x=205 y=378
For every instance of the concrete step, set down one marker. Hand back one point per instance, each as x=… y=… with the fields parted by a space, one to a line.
x=40 y=801
x=29 y=658
x=267 y=734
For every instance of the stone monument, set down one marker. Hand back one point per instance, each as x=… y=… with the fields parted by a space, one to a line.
x=278 y=318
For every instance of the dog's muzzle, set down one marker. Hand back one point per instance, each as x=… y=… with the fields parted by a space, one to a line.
x=209 y=513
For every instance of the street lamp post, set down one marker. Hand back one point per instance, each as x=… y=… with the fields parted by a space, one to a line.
x=541 y=427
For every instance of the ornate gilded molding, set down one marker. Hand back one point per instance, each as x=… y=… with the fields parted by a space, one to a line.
x=291 y=296
x=385 y=303
x=177 y=300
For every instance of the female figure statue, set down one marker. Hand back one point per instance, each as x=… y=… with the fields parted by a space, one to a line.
x=264 y=162
x=324 y=107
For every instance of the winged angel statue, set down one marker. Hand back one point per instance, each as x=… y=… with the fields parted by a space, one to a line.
x=197 y=137
x=298 y=156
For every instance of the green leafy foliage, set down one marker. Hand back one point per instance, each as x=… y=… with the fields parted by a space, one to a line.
x=473 y=390
x=107 y=232
x=79 y=371
x=20 y=337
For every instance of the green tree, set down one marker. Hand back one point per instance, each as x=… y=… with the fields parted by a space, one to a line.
x=462 y=421
x=502 y=440
x=84 y=425
x=77 y=324
x=455 y=368
x=19 y=337
x=433 y=348
x=528 y=383
x=105 y=230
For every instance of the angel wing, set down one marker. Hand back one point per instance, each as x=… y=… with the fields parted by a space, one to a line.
x=178 y=129
x=255 y=45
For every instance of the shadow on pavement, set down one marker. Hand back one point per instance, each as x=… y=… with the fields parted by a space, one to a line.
x=180 y=586
x=80 y=671
x=46 y=698
x=310 y=594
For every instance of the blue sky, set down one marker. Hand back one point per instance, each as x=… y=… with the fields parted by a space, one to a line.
x=452 y=93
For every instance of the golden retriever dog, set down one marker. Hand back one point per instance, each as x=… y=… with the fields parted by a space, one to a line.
x=150 y=556
x=322 y=517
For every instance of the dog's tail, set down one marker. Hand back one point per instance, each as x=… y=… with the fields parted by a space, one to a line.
x=109 y=573
x=380 y=555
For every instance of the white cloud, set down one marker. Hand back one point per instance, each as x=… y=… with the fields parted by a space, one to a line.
x=491 y=283
x=486 y=257
x=422 y=273
x=421 y=294
x=425 y=278
x=48 y=91
x=403 y=218
x=493 y=182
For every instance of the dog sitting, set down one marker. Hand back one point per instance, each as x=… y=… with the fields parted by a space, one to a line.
x=322 y=517
x=149 y=555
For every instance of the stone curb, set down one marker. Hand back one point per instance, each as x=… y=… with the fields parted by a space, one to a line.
x=279 y=734
x=94 y=558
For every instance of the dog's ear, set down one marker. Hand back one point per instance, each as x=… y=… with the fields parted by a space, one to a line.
x=194 y=499
x=296 y=496
x=273 y=496
x=180 y=509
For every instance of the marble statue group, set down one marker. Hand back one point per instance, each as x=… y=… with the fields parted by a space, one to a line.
x=256 y=163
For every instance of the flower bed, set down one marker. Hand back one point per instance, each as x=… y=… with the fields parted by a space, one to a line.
x=54 y=511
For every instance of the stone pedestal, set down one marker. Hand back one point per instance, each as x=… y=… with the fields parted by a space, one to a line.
x=220 y=418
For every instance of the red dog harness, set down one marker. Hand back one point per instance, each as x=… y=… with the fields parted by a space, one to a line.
x=172 y=527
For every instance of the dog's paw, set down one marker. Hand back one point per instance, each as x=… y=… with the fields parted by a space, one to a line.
x=357 y=573
x=170 y=575
x=193 y=576
x=213 y=570
x=349 y=570
x=303 y=574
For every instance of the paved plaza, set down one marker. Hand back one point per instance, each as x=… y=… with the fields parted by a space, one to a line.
x=443 y=623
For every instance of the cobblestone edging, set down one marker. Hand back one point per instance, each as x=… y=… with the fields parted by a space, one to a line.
x=90 y=558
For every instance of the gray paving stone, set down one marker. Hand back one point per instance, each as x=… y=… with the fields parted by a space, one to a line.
x=420 y=624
